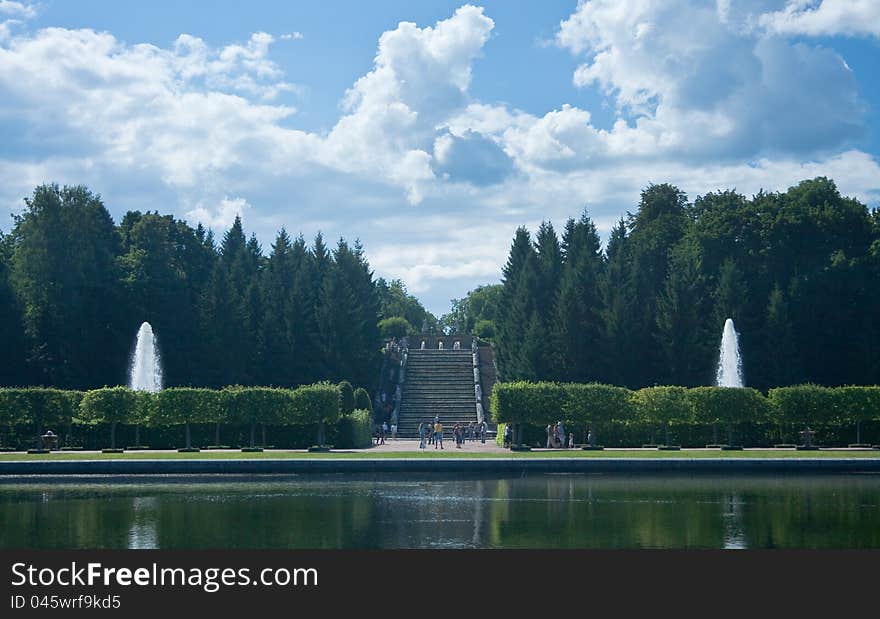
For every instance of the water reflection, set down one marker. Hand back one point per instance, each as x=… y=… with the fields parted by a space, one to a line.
x=542 y=511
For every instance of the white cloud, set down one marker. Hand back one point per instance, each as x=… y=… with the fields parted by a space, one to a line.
x=708 y=85
x=222 y=214
x=20 y=10
x=292 y=36
x=711 y=102
x=420 y=78
x=25 y=10
x=825 y=18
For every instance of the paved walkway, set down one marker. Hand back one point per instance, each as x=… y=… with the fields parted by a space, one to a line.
x=406 y=444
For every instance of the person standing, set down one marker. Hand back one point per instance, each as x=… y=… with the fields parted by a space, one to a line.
x=384 y=431
x=438 y=434
x=421 y=435
x=483 y=430
x=571 y=440
x=393 y=431
x=549 y=436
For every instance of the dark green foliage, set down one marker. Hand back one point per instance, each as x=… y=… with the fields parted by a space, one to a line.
x=362 y=400
x=396 y=302
x=346 y=397
x=74 y=289
x=346 y=317
x=13 y=369
x=66 y=277
x=796 y=271
x=355 y=431
x=396 y=326
x=579 y=308
x=481 y=305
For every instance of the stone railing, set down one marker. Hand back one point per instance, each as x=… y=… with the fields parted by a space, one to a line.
x=478 y=390
x=398 y=389
x=442 y=342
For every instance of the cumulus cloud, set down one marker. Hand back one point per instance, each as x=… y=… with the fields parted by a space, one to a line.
x=709 y=84
x=14 y=14
x=825 y=17
x=222 y=214
x=292 y=36
x=433 y=180
x=420 y=78
x=25 y=10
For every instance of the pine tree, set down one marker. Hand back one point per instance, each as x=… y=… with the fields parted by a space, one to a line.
x=278 y=352
x=620 y=311
x=780 y=353
x=579 y=310
x=517 y=304
x=681 y=329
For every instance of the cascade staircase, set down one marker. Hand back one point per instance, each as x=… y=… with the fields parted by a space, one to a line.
x=437 y=382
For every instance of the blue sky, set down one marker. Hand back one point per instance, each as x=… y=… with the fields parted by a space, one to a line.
x=430 y=130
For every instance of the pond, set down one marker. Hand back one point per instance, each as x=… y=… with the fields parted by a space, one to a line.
x=421 y=511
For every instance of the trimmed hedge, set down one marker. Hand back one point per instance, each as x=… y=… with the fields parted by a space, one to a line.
x=631 y=417
x=355 y=431
x=663 y=407
x=346 y=397
x=804 y=405
x=362 y=400
x=39 y=407
x=728 y=407
x=114 y=405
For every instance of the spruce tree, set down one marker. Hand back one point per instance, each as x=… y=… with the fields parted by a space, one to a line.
x=579 y=310
x=517 y=304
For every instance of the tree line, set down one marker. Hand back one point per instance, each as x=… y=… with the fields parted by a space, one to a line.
x=75 y=286
x=798 y=272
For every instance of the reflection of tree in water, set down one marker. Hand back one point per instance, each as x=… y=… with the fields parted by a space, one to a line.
x=539 y=511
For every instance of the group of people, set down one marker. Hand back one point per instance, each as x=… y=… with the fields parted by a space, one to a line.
x=556 y=436
x=388 y=392
x=432 y=433
x=382 y=431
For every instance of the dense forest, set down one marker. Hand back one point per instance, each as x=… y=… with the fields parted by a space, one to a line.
x=799 y=273
x=74 y=287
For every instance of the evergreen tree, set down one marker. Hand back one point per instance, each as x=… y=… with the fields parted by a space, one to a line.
x=780 y=354
x=579 y=310
x=517 y=304
x=620 y=311
x=681 y=329
x=13 y=371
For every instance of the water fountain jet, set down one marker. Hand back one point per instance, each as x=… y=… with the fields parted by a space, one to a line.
x=145 y=372
x=730 y=371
